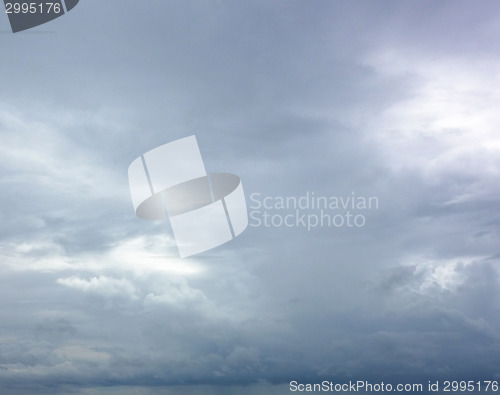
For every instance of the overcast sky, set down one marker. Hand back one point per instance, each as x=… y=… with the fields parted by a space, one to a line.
x=393 y=99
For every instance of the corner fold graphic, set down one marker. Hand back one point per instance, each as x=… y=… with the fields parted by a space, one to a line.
x=26 y=14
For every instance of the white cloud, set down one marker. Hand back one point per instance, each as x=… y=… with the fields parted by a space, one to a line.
x=448 y=122
x=176 y=295
x=102 y=285
x=431 y=275
x=140 y=255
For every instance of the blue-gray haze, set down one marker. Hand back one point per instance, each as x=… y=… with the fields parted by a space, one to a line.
x=394 y=99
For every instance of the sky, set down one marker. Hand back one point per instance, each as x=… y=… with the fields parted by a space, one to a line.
x=396 y=100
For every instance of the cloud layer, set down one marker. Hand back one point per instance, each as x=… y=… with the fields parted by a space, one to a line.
x=394 y=100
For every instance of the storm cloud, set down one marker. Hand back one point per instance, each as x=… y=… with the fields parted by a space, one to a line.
x=397 y=100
